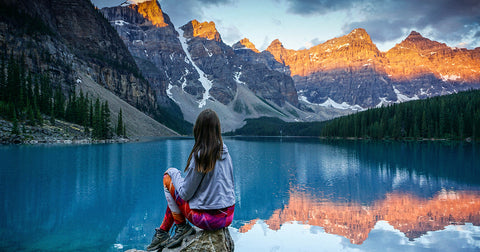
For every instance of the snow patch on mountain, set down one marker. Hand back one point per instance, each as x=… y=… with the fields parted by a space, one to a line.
x=304 y=99
x=120 y=22
x=237 y=78
x=210 y=54
x=169 y=92
x=403 y=98
x=449 y=77
x=331 y=103
x=206 y=83
x=128 y=2
x=383 y=102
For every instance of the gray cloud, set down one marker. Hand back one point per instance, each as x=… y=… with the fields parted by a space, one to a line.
x=229 y=33
x=447 y=20
x=306 y=7
x=186 y=10
x=180 y=11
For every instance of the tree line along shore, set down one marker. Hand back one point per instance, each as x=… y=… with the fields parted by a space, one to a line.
x=34 y=106
x=449 y=117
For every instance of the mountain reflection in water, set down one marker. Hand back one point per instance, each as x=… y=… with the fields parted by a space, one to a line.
x=407 y=213
x=295 y=195
x=354 y=190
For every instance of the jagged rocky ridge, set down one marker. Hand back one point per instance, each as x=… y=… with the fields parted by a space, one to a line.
x=72 y=42
x=350 y=69
x=193 y=67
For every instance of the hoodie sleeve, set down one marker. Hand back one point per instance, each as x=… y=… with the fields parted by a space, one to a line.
x=187 y=186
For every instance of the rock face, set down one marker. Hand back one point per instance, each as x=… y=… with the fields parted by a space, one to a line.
x=193 y=67
x=351 y=69
x=247 y=52
x=212 y=57
x=70 y=39
x=421 y=67
x=226 y=69
x=206 y=30
x=156 y=48
x=343 y=69
x=245 y=44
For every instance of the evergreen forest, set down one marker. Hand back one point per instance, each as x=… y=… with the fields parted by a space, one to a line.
x=32 y=98
x=450 y=117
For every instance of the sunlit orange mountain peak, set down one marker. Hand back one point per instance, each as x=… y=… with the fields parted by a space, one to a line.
x=416 y=56
x=151 y=11
x=416 y=41
x=245 y=43
x=205 y=30
x=407 y=213
x=354 y=50
x=279 y=52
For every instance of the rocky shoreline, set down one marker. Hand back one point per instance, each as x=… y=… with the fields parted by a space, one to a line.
x=60 y=132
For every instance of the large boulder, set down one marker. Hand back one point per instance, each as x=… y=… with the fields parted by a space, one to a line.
x=202 y=240
x=219 y=240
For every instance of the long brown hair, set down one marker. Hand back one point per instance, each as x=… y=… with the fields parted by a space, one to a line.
x=208 y=141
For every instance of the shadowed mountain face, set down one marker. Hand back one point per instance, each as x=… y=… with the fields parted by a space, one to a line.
x=72 y=37
x=351 y=69
x=161 y=47
x=156 y=48
x=193 y=67
x=76 y=47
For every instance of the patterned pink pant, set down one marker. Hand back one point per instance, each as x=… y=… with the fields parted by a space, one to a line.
x=204 y=219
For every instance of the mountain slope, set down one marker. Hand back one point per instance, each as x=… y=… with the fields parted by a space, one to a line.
x=71 y=41
x=194 y=68
x=351 y=70
x=423 y=68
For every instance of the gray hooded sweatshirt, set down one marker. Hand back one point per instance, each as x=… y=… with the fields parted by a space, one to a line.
x=213 y=190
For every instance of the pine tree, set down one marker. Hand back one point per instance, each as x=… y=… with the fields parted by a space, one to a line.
x=28 y=91
x=52 y=116
x=59 y=103
x=12 y=83
x=90 y=114
x=106 y=130
x=15 y=130
x=461 y=126
x=119 y=130
x=3 y=90
x=424 y=125
x=97 y=120
x=30 y=116
x=38 y=116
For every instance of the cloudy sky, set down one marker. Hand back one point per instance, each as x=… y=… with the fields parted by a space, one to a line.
x=303 y=23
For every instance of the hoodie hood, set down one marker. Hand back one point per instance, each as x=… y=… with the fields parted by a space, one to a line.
x=224 y=152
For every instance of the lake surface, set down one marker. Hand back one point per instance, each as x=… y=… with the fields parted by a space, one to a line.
x=292 y=195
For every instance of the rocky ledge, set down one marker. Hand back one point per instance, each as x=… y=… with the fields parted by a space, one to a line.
x=202 y=240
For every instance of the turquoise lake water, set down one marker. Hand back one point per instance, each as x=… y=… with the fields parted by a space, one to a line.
x=292 y=194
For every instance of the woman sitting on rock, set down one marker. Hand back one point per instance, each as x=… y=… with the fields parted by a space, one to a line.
x=206 y=195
